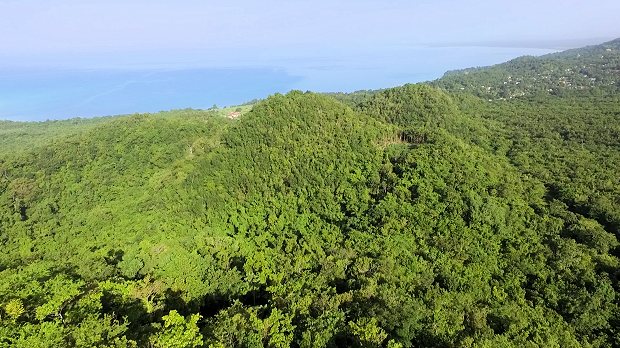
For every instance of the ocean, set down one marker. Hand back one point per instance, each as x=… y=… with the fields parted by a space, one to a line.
x=37 y=93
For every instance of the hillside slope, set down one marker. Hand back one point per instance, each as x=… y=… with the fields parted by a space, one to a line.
x=413 y=216
x=303 y=223
x=582 y=71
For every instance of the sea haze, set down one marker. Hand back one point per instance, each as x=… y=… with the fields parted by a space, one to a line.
x=38 y=93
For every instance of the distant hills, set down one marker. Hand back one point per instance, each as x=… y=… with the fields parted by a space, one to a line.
x=575 y=71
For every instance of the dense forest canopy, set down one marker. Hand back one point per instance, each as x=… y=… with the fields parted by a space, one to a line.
x=428 y=215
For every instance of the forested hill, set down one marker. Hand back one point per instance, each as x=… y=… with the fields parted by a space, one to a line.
x=19 y=136
x=408 y=217
x=582 y=71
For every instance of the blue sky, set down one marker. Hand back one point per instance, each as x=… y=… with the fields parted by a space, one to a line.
x=188 y=32
x=67 y=58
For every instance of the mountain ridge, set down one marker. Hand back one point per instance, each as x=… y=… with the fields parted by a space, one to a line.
x=580 y=70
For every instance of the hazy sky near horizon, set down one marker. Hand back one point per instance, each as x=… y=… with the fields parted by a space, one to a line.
x=39 y=32
x=66 y=58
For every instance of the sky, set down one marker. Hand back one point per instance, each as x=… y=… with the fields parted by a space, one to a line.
x=93 y=33
x=82 y=58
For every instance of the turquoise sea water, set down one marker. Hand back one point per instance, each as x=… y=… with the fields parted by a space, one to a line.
x=37 y=93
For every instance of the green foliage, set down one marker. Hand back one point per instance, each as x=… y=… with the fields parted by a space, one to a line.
x=239 y=326
x=22 y=136
x=400 y=218
x=588 y=71
x=14 y=308
x=178 y=332
x=411 y=105
x=367 y=332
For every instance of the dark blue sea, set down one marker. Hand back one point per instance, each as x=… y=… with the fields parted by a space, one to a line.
x=39 y=93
